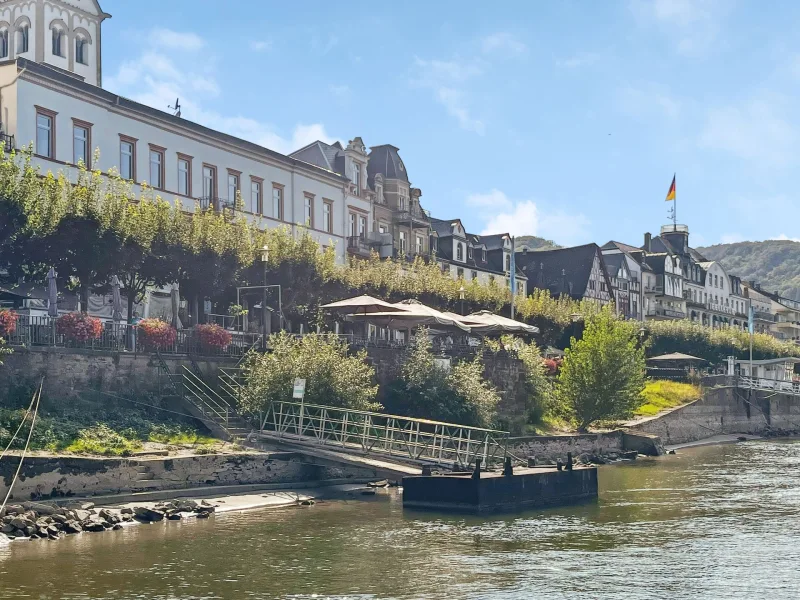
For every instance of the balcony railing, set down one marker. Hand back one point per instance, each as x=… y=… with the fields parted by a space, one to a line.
x=415 y=213
x=764 y=316
x=667 y=313
x=8 y=142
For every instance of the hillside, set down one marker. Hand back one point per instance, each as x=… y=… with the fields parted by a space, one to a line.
x=775 y=264
x=531 y=242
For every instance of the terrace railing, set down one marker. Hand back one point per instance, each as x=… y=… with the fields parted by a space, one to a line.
x=122 y=337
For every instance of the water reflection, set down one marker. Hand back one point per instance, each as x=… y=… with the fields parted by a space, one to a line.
x=715 y=522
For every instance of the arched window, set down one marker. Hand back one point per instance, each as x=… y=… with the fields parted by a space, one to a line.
x=459 y=251
x=81 y=51
x=23 y=35
x=4 y=43
x=58 y=42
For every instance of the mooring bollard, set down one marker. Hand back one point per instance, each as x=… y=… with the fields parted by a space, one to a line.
x=569 y=461
x=426 y=471
x=559 y=465
x=531 y=462
x=508 y=468
x=476 y=474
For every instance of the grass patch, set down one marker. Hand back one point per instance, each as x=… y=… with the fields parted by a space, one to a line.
x=102 y=426
x=661 y=395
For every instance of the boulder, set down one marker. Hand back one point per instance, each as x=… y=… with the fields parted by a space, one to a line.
x=148 y=514
x=30 y=530
x=7 y=528
x=175 y=516
x=126 y=511
x=21 y=522
x=81 y=505
x=59 y=519
x=53 y=530
x=82 y=515
x=72 y=527
x=127 y=517
x=117 y=527
x=108 y=515
x=42 y=509
x=203 y=515
x=14 y=509
x=94 y=525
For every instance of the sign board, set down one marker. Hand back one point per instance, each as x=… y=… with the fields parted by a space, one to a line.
x=299 y=390
x=207 y=307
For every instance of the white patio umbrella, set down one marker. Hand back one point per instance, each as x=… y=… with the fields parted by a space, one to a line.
x=500 y=324
x=52 y=293
x=116 y=300
x=362 y=305
x=412 y=314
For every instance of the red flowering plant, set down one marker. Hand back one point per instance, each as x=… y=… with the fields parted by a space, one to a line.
x=8 y=322
x=553 y=365
x=79 y=327
x=157 y=334
x=212 y=336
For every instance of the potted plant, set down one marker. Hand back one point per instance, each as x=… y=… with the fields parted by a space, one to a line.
x=212 y=337
x=8 y=322
x=157 y=334
x=79 y=327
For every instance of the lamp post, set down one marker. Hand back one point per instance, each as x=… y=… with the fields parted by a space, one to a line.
x=264 y=260
x=461 y=297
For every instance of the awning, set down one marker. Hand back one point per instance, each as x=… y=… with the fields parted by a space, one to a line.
x=499 y=323
x=410 y=314
x=362 y=305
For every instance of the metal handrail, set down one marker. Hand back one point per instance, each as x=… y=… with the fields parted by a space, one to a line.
x=768 y=384
x=420 y=440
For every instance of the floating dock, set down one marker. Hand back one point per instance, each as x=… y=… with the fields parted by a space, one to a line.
x=488 y=492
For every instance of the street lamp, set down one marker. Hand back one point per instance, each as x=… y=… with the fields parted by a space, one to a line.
x=461 y=297
x=264 y=260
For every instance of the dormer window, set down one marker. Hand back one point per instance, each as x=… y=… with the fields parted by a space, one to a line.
x=483 y=255
x=469 y=253
x=459 y=252
x=4 y=43
x=508 y=262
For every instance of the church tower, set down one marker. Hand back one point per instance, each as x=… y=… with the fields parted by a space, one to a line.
x=61 y=33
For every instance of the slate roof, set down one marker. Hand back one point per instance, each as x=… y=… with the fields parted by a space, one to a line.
x=443 y=227
x=614 y=263
x=325 y=156
x=494 y=242
x=386 y=160
x=562 y=271
x=620 y=246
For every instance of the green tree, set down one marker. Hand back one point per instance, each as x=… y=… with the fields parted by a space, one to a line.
x=3 y=350
x=603 y=373
x=333 y=376
x=428 y=390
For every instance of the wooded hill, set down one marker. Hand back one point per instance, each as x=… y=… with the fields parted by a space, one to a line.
x=775 y=264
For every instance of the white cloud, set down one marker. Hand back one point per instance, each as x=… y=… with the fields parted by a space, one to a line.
x=186 y=41
x=445 y=79
x=155 y=80
x=260 y=45
x=647 y=100
x=732 y=238
x=583 y=59
x=692 y=24
x=784 y=237
x=501 y=214
x=755 y=132
x=503 y=43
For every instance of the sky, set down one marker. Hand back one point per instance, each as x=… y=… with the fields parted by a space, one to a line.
x=565 y=120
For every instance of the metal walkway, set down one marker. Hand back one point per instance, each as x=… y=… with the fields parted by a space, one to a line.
x=770 y=385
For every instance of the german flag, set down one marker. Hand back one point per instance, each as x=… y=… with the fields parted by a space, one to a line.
x=671 y=192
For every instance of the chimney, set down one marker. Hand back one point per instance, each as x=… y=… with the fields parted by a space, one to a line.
x=648 y=242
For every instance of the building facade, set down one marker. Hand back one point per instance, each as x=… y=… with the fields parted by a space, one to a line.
x=579 y=273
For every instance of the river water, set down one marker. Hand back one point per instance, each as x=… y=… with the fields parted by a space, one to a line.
x=712 y=522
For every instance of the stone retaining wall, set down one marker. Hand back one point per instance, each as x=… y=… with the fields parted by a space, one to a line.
x=725 y=410
x=555 y=447
x=46 y=477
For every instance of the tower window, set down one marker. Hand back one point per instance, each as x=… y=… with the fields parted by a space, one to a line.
x=81 y=54
x=22 y=39
x=58 y=43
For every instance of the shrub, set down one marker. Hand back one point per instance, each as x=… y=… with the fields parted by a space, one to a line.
x=157 y=334
x=79 y=327
x=8 y=322
x=538 y=381
x=429 y=391
x=333 y=377
x=603 y=373
x=213 y=337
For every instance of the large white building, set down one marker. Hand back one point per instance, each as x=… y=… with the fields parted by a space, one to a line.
x=51 y=99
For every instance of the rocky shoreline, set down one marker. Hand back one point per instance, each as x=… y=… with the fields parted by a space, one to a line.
x=39 y=520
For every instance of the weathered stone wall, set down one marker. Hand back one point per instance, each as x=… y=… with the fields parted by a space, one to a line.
x=726 y=410
x=43 y=477
x=555 y=447
x=67 y=371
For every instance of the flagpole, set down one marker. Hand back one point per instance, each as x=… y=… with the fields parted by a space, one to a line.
x=513 y=274
x=675 y=206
